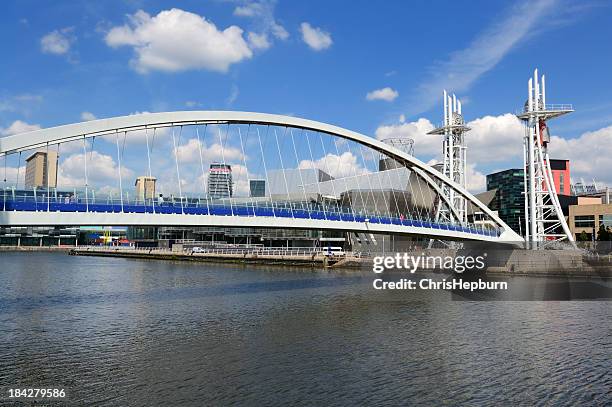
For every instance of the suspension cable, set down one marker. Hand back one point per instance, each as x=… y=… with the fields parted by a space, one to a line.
x=263 y=158
x=317 y=180
x=150 y=171
x=280 y=156
x=365 y=165
x=86 y=180
x=356 y=177
x=119 y=169
x=380 y=183
x=178 y=175
x=244 y=161
x=18 y=168
x=48 y=180
x=202 y=165
x=4 y=186
x=335 y=142
x=229 y=185
x=327 y=169
x=299 y=170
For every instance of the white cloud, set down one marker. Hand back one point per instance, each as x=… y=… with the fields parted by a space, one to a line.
x=338 y=166
x=87 y=116
x=176 y=40
x=496 y=142
x=192 y=103
x=249 y=10
x=259 y=41
x=413 y=130
x=387 y=94
x=495 y=139
x=262 y=12
x=279 y=32
x=17 y=127
x=11 y=174
x=19 y=103
x=476 y=180
x=491 y=138
x=590 y=154
x=465 y=66
x=101 y=169
x=234 y=92
x=57 y=41
x=190 y=152
x=315 y=38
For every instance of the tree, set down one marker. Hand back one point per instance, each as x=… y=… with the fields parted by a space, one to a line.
x=604 y=234
x=582 y=237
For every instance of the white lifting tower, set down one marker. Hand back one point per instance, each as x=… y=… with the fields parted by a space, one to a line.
x=544 y=220
x=454 y=153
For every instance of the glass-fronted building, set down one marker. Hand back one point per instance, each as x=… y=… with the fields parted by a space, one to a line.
x=508 y=202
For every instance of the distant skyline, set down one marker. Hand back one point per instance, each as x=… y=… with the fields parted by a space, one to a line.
x=376 y=69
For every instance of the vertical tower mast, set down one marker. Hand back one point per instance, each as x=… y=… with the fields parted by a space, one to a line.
x=544 y=220
x=454 y=156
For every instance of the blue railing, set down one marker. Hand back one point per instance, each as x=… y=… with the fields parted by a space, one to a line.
x=11 y=202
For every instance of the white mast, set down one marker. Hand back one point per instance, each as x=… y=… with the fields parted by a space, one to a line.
x=454 y=157
x=544 y=219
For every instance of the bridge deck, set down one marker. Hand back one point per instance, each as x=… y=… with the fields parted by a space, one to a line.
x=236 y=211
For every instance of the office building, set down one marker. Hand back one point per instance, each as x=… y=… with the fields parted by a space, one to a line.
x=560 y=170
x=588 y=216
x=41 y=170
x=220 y=184
x=594 y=190
x=145 y=188
x=508 y=201
x=257 y=188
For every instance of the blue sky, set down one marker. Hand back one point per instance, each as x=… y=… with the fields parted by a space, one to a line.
x=65 y=61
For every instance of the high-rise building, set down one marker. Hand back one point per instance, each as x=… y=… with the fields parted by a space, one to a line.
x=257 y=188
x=41 y=170
x=509 y=186
x=145 y=187
x=561 y=176
x=220 y=184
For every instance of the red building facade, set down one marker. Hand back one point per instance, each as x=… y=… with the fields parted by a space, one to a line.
x=561 y=176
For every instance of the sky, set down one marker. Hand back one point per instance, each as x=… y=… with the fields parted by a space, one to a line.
x=375 y=68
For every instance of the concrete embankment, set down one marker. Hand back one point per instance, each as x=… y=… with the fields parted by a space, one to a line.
x=314 y=259
x=554 y=263
x=505 y=261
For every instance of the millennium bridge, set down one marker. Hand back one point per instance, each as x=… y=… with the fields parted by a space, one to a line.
x=231 y=169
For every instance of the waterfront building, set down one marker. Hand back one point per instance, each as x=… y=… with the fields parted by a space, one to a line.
x=509 y=186
x=220 y=183
x=41 y=170
x=560 y=170
x=593 y=190
x=145 y=188
x=587 y=216
x=257 y=188
x=41 y=236
x=296 y=180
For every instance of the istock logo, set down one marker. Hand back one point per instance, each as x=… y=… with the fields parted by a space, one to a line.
x=411 y=263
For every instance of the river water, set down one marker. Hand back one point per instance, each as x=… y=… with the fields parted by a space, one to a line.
x=130 y=332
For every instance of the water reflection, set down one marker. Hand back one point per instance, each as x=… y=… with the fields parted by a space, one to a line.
x=125 y=332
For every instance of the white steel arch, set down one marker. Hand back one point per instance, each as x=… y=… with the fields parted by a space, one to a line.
x=95 y=128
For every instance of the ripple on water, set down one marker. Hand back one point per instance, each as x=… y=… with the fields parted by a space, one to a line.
x=122 y=332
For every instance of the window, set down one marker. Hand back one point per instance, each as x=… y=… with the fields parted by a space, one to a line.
x=605 y=220
x=584 y=221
